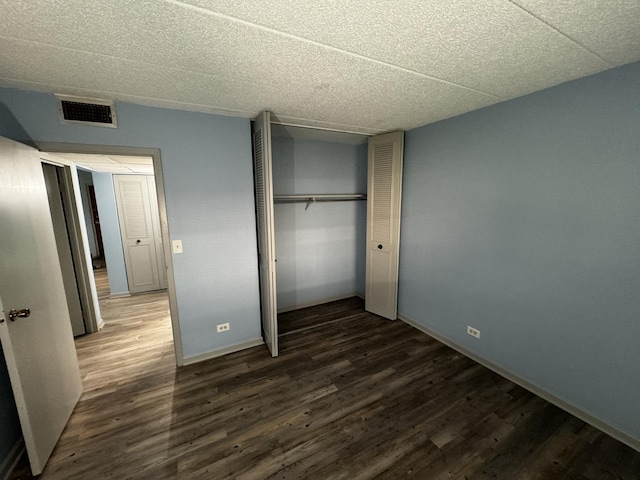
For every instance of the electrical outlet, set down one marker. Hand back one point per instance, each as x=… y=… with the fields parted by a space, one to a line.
x=223 y=327
x=474 y=332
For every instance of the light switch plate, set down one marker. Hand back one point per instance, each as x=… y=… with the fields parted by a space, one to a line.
x=176 y=246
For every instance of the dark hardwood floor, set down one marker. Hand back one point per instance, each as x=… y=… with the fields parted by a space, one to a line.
x=356 y=397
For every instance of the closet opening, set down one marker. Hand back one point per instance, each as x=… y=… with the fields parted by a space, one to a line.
x=328 y=223
x=319 y=186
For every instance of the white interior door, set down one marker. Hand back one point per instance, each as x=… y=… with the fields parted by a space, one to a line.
x=266 y=236
x=384 y=197
x=39 y=349
x=139 y=239
x=60 y=230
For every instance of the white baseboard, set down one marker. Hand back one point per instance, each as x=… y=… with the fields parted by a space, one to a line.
x=12 y=459
x=222 y=351
x=583 y=415
x=318 y=302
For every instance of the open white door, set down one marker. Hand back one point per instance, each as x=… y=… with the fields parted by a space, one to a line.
x=139 y=234
x=39 y=349
x=266 y=237
x=384 y=196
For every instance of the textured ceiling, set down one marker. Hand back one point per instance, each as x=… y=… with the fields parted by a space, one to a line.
x=354 y=65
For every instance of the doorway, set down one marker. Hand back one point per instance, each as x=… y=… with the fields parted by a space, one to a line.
x=129 y=229
x=311 y=254
x=103 y=163
x=310 y=203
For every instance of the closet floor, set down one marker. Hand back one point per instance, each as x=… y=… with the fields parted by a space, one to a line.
x=319 y=315
x=359 y=397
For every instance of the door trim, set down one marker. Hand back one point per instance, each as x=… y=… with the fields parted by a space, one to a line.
x=164 y=227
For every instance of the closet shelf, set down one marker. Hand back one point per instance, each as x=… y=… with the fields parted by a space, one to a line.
x=320 y=197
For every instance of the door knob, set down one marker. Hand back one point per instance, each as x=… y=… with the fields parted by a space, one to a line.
x=13 y=314
x=137 y=242
x=380 y=247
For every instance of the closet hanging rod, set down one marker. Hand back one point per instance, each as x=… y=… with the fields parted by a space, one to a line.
x=320 y=197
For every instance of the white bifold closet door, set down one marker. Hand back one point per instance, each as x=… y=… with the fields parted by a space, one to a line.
x=384 y=195
x=261 y=133
x=140 y=230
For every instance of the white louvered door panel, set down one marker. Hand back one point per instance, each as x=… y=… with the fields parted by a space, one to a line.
x=266 y=236
x=138 y=236
x=384 y=196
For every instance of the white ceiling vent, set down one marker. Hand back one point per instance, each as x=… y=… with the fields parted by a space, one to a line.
x=87 y=111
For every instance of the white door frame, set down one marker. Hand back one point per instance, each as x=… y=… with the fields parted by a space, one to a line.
x=154 y=153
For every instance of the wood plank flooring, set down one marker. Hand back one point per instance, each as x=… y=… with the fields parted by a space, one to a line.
x=358 y=397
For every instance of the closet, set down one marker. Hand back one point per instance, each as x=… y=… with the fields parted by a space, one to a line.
x=328 y=206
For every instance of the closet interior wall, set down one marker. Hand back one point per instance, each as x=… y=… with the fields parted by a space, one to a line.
x=320 y=246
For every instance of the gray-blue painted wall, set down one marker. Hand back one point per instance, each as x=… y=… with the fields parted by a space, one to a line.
x=85 y=180
x=523 y=220
x=206 y=162
x=110 y=229
x=320 y=249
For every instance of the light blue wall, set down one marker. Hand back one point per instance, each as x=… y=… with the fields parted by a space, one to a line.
x=321 y=250
x=206 y=161
x=85 y=180
x=523 y=220
x=110 y=229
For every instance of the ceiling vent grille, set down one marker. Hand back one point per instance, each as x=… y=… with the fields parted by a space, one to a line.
x=87 y=111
